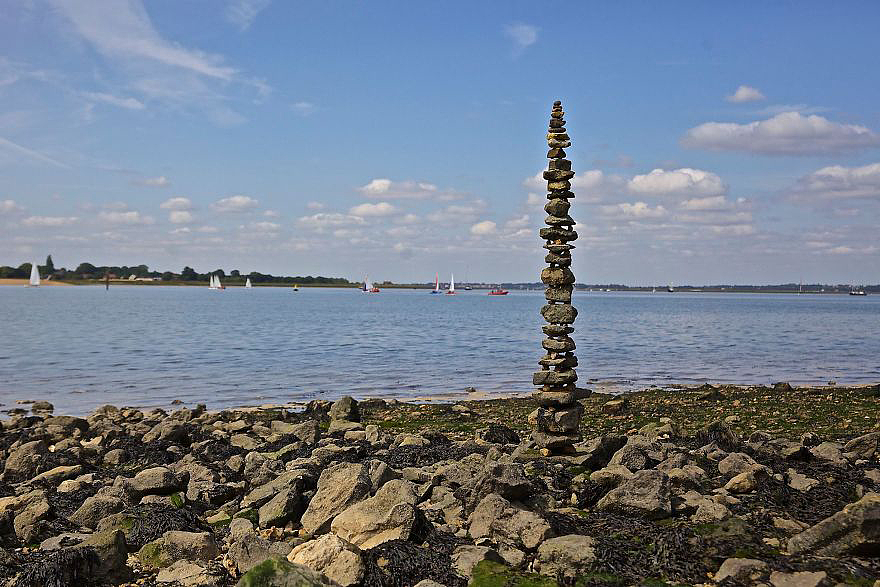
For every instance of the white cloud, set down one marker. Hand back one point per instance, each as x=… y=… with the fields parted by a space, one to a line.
x=416 y=190
x=7 y=206
x=377 y=209
x=180 y=217
x=235 y=204
x=458 y=212
x=315 y=206
x=838 y=182
x=484 y=228
x=707 y=203
x=789 y=133
x=181 y=230
x=208 y=229
x=534 y=200
x=127 y=103
x=636 y=210
x=522 y=35
x=265 y=226
x=131 y=217
x=49 y=220
x=323 y=220
x=122 y=29
x=176 y=204
x=242 y=13
x=745 y=94
x=303 y=108
x=30 y=153
x=408 y=219
x=155 y=182
x=684 y=181
x=271 y=214
x=519 y=222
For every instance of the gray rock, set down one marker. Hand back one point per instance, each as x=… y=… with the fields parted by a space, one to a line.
x=167 y=430
x=736 y=463
x=26 y=522
x=507 y=480
x=389 y=515
x=746 y=482
x=497 y=519
x=345 y=409
x=94 y=509
x=111 y=550
x=287 y=505
x=831 y=452
x=646 y=495
x=188 y=574
x=42 y=406
x=250 y=550
x=429 y=583
x=308 y=431
x=800 y=482
x=740 y=569
x=611 y=476
x=297 y=479
x=565 y=556
x=863 y=447
x=155 y=481
x=278 y=572
x=24 y=462
x=240 y=527
x=175 y=545
x=798 y=579
x=339 y=560
x=63 y=540
x=854 y=530
x=466 y=557
x=339 y=487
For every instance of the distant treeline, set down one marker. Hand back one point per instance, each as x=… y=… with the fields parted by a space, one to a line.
x=86 y=271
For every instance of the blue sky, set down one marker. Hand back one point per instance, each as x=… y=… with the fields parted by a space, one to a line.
x=713 y=143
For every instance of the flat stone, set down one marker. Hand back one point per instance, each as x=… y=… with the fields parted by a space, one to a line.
x=560 y=293
x=339 y=560
x=798 y=579
x=558 y=234
x=559 y=398
x=646 y=495
x=560 y=195
x=339 y=487
x=561 y=343
x=558 y=144
x=388 y=515
x=854 y=530
x=558 y=174
x=559 y=185
x=554 y=377
x=568 y=556
x=561 y=361
x=555 y=442
x=564 y=164
x=559 y=220
x=740 y=569
x=557 y=276
x=555 y=153
x=556 y=330
x=557 y=207
x=559 y=248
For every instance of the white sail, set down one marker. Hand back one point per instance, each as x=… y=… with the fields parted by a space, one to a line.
x=35 y=275
x=452 y=283
x=248 y=283
x=211 y=282
x=218 y=282
x=437 y=282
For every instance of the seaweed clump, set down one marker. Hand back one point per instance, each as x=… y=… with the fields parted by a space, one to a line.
x=61 y=568
x=150 y=521
x=421 y=456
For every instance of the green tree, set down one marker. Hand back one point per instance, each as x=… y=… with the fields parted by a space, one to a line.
x=189 y=274
x=50 y=266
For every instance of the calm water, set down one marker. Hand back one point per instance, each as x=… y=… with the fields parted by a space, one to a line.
x=80 y=347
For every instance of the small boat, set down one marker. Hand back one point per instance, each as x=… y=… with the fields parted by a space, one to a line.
x=436 y=289
x=212 y=283
x=670 y=289
x=219 y=285
x=369 y=287
x=468 y=288
x=451 y=290
x=247 y=283
x=857 y=292
x=497 y=291
x=295 y=287
x=653 y=290
x=34 y=281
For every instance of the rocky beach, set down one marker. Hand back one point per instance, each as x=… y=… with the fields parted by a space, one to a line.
x=716 y=485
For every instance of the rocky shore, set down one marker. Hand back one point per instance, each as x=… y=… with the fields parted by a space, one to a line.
x=709 y=486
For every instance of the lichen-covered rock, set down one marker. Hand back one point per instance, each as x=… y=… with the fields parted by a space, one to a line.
x=646 y=494
x=176 y=545
x=744 y=570
x=466 y=557
x=565 y=556
x=496 y=518
x=855 y=530
x=278 y=572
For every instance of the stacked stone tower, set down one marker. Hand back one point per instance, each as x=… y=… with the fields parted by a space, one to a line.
x=556 y=421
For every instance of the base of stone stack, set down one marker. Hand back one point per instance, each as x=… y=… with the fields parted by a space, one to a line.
x=558 y=399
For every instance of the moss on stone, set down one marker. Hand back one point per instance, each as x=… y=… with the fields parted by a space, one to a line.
x=492 y=574
x=176 y=500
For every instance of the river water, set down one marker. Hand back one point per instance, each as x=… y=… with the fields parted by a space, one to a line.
x=81 y=347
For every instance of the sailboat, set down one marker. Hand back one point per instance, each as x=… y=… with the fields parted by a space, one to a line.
x=436 y=289
x=295 y=287
x=211 y=283
x=451 y=290
x=220 y=285
x=369 y=287
x=247 y=283
x=35 y=276
x=670 y=289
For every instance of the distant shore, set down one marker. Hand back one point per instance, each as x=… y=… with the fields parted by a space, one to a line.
x=10 y=281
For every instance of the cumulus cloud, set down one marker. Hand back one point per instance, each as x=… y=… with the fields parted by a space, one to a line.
x=155 y=182
x=486 y=227
x=458 y=213
x=684 y=181
x=176 y=204
x=707 y=203
x=745 y=94
x=49 y=220
x=130 y=217
x=180 y=217
x=377 y=209
x=235 y=204
x=400 y=190
x=7 y=206
x=323 y=220
x=518 y=222
x=522 y=35
x=315 y=206
x=636 y=210
x=788 y=133
x=271 y=214
x=265 y=226
x=838 y=182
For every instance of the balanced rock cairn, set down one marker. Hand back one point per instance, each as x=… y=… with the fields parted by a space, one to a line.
x=556 y=421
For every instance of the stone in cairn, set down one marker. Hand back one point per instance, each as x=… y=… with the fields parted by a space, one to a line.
x=556 y=422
